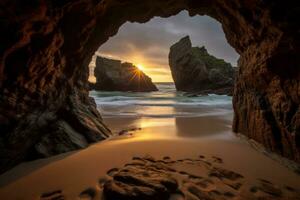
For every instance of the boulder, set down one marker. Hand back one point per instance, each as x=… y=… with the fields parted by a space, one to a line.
x=195 y=70
x=113 y=75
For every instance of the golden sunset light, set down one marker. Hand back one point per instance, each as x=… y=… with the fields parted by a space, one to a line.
x=158 y=99
x=140 y=67
x=158 y=72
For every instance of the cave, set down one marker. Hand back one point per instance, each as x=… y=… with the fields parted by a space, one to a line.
x=46 y=46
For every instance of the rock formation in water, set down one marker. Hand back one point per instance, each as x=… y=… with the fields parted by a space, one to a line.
x=46 y=47
x=112 y=75
x=195 y=70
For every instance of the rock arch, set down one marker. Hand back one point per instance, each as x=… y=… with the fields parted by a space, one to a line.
x=46 y=46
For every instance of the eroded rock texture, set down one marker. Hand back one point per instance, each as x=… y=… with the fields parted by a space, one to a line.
x=46 y=46
x=195 y=70
x=112 y=75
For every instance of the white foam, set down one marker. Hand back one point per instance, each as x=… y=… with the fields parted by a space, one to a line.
x=164 y=103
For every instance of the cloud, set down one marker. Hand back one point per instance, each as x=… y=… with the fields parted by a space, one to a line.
x=149 y=43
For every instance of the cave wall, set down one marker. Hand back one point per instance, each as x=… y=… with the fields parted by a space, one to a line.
x=46 y=46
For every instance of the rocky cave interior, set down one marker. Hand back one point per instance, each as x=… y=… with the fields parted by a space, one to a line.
x=46 y=47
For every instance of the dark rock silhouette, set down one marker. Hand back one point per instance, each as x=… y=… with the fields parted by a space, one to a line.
x=91 y=85
x=195 y=70
x=112 y=75
x=46 y=47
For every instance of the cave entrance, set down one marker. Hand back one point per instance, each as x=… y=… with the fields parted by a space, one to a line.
x=47 y=46
x=148 y=47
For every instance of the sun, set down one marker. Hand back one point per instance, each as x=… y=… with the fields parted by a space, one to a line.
x=140 y=66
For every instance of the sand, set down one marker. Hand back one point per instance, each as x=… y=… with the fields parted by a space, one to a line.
x=193 y=151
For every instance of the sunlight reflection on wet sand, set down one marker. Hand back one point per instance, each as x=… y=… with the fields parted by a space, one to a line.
x=175 y=137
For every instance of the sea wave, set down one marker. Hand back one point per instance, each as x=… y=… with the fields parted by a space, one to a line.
x=166 y=102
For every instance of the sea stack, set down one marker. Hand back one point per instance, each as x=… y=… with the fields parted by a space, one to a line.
x=195 y=70
x=113 y=75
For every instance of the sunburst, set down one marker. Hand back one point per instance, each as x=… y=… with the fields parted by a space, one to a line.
x=140 y=67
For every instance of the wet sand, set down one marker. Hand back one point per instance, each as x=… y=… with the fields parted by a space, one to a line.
x=185 y=142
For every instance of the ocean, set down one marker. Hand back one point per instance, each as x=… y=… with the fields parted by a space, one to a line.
x=167 y=102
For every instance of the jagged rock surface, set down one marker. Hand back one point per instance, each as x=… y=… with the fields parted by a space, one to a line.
x=46 y=47
x=195 y=70
x=112 y=75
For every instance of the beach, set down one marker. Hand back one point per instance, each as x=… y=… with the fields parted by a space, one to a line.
x=190 y=142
